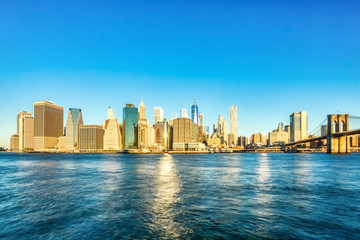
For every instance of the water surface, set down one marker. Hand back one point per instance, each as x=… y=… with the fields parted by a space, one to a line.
x=211 y=196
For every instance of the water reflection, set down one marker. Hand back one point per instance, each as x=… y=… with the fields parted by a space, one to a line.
x=165 y=208
x=111 y=170
x=264 y=197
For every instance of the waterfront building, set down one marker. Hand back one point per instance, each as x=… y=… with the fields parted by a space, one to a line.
x=48 y=125
x=355 y=140
x=324 y=130
x=182 y=130
x=144 y=132
x=162 y=134
x=206 y=129
x=233 y=125
x=201 y=120
x=194 y=132
x=72 y=128
x=258 y=138
x=14 y=142
x=159 y=114
x=112 y=132
x=61 y=145
x=142 y=110
x=214 y=141
x=25 y=130
x=183 y=113
x=232 y=139
x=299 y=126
x=222 y=130
x=278 y=137
x=130 y=126
x=91 y=137
x=190 y=146
x=194 y=113
x=243 y=141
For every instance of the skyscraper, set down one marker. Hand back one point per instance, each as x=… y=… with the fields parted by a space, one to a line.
x=72 y=128
x=130 y=125
x=194 y=113
x=144 y=131
x=25 y=130
x=233 y=121
x=159 y=114
x=91 y=137
x=48 y=125
x=182 y=130
x=142 y=110
x=298 y=126
x=201 y=120
x=222 y=130
x=112 y=133
x=183 y=113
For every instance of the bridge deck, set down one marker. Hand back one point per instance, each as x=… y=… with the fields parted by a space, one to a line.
x=340 y=134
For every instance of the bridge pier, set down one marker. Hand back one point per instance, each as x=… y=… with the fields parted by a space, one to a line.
x=338 y=123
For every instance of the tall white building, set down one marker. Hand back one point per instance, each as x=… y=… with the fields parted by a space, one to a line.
x=112 y=134
x=183 y=113
x=25 y=130
x=233 y=121
x=159 y=114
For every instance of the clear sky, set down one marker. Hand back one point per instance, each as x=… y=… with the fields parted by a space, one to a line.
x=270 y=58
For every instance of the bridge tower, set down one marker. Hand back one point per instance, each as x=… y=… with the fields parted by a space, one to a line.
x=337 y=143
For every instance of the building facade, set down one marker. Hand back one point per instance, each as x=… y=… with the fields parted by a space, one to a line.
x=48 y=125
x=91 y=137
x=72 y=128
x=194 y=113
x=112 y=132
x=183 y=113
x=182 y=130
x=158 y=114
x=25 y=125
x=298 y=126
x=233 y=125
x=130 y=126
x=278 y=137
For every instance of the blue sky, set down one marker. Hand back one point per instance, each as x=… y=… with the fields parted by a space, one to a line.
x=270 y=58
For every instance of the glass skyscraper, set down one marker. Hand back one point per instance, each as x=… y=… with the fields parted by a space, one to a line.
x=195 y=113
x=130 y=119
x=73 y=123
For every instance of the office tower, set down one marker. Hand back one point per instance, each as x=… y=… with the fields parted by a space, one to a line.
x=243 y=141
x=159 y=114
x=130 y=125
x=182 y=130
x=91 y=137
x=14 y=142
x=144 y=131
x=258 y=138
x=206 y=129
x=233 y=123
x=162 y=134
x=194 y=132
x=18 y=116
x=112 y=133
x=183 y=113
x=201 y=120
x=194 y=113
x=25 y=130
x=222 y=130
x=142 y=110
x=278 y=136
x=298 y=126
x=324 y=130
x=72 y=128
x=48 y=125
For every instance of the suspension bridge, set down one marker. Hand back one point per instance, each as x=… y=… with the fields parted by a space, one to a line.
x=334 y=132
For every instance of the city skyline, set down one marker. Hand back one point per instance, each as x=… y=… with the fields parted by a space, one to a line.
x=269 y=60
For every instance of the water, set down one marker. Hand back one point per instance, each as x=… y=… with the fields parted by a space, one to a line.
x=212 y=196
